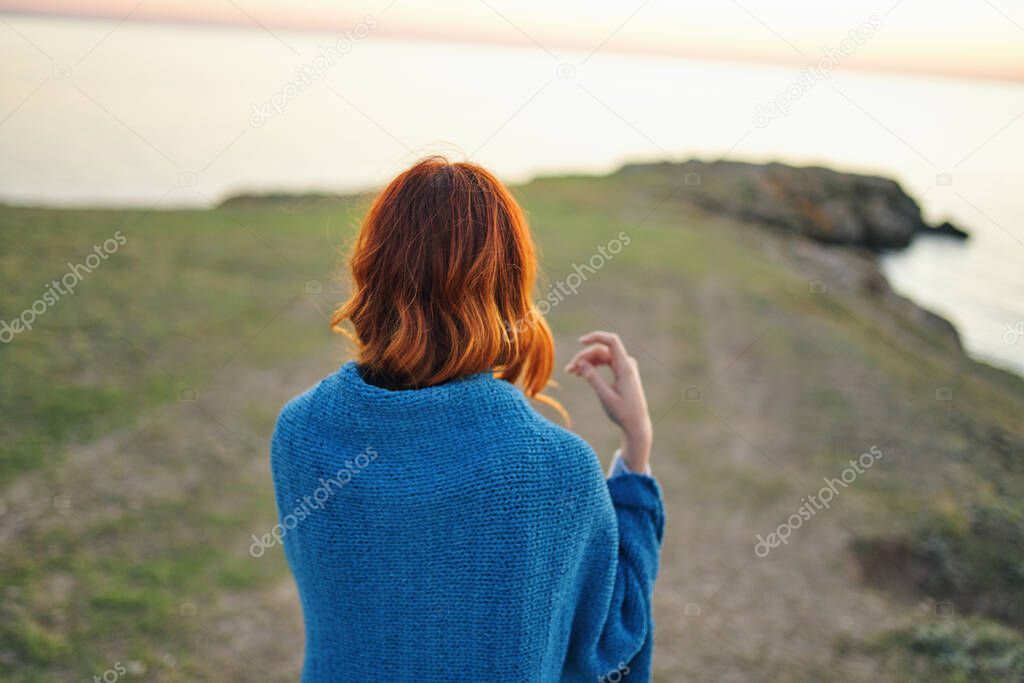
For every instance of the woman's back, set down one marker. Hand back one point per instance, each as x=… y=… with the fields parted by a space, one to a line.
x=448 y=533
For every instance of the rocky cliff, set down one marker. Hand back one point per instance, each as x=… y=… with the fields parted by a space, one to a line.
x=826 y=205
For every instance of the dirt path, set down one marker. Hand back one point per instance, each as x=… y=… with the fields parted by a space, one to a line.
x=723 y=613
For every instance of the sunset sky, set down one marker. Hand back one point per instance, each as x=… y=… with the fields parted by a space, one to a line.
x=973 y=39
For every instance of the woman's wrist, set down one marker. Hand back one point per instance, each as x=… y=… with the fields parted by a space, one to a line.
x=636 y=450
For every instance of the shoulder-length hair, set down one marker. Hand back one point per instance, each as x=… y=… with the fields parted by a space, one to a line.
x=443 y=270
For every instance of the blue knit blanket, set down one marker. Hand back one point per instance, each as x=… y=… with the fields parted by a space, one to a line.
x=454 y=534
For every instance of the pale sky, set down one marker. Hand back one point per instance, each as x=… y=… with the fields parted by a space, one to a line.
x=972 y=38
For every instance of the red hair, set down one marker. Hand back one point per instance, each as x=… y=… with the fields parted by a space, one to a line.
x=443 y=270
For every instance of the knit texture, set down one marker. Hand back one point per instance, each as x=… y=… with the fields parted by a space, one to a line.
x=454 y=534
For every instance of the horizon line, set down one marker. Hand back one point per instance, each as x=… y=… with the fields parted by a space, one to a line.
x=309 y=26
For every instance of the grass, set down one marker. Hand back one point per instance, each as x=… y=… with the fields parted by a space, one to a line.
x=165 y=313
x=149 y=562
x=159 y=317
x=959 y=650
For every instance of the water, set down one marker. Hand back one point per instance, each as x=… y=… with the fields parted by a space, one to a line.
x=163 y=115
x=977 y=285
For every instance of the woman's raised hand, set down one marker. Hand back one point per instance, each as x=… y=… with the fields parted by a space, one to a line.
x=623 y=400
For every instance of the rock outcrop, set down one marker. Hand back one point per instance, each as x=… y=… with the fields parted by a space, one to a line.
x=825 y=205
x=947 y=229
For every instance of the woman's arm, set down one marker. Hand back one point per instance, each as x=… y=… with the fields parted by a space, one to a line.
x=619 y=642
x=612 y=628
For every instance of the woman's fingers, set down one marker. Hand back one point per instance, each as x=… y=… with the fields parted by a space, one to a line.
x=596 y=354
x=604 y=392
x=585 y=364
x=623 y=365
x=608 y=339
x=620 y=359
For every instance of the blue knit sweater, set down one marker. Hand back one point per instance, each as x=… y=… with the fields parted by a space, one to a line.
x=454 y=534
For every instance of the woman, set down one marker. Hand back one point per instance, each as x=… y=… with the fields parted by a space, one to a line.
x=440 y=529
